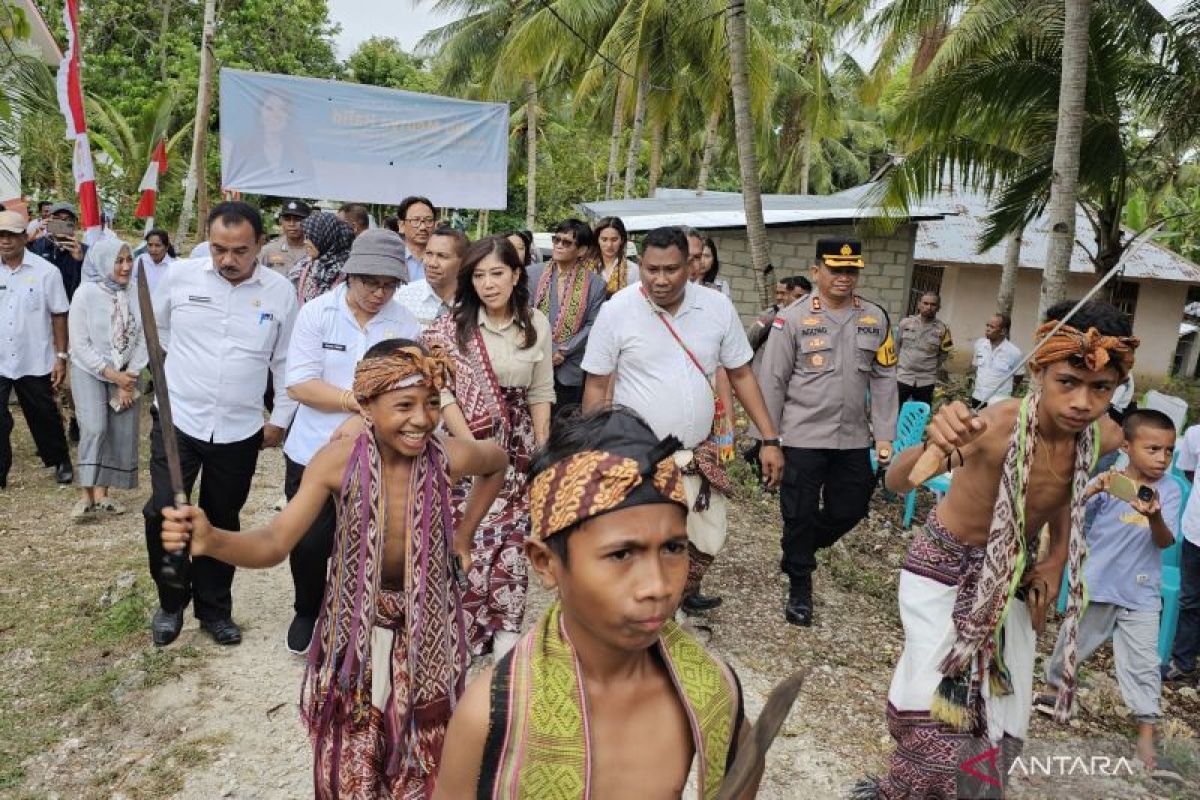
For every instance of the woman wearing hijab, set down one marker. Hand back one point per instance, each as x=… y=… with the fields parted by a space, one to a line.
x=502 y=389
x=330 y=239
x=108 y=351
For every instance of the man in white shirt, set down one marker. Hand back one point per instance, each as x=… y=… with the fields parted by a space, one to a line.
x=33 y=348
x=418 y=218
x=331 y=334
x=995 y=356
x=634 y=355
x=225 y=323
x=433 y=295
x=1182 y=664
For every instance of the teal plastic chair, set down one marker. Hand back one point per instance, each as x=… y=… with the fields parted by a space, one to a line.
x=1172 y=559
x=910 y=430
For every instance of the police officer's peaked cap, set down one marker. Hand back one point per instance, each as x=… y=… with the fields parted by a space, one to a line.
x=840 y=253
x=295 y=208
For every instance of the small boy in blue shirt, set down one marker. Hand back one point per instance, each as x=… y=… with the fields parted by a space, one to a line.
x=1123 y=573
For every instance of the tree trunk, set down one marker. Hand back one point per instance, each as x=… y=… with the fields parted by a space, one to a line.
x=164 y=29
x=656 y=153
x=1008 y=277
x=710 y=145
x=1064 y=185
x=756 y=228
x=614 y=144
x=639 y=124
x=200 y=128
x=531 y=115
x=931 y=42
x=805 y=146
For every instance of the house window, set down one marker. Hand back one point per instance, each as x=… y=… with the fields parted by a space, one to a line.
x=925 y=278
x=1124 y=295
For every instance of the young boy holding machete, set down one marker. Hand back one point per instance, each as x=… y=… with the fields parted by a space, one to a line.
x=389 y=655
x=973 y=593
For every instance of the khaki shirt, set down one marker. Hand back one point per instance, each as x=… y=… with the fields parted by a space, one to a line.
x=921 y=347
x=817 y=371
x=280 y=256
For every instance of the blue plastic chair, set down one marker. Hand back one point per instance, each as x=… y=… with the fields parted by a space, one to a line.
x=910 y=429
x=1172 y=578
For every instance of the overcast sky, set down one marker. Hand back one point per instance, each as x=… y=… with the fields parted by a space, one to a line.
x=409 y=21
x=362 y=19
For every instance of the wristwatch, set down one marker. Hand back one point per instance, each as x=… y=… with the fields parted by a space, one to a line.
x=774 y=441
x=63 y=356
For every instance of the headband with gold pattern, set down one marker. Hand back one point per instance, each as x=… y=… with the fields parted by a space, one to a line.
x=590 y=483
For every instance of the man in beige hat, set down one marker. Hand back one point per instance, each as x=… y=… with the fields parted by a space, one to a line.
x=33 y=347
x=331 y=334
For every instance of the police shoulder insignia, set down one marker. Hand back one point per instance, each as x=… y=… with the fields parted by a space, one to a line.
x=885 y=356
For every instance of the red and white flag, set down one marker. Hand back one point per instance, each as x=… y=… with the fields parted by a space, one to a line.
x=70 y=102
x=149 y=185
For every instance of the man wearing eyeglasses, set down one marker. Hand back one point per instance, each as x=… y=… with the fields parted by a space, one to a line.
x=569 y=292
x=418 y=216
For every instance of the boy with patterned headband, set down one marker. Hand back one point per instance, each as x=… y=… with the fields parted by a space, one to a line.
x=389 y=655
x=606 y=696
x=973 y=591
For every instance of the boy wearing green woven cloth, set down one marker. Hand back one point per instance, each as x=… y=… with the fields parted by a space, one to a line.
x=606 y=697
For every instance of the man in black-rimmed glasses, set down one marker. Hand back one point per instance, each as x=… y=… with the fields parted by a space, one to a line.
x=569 y=292
x=418 y=218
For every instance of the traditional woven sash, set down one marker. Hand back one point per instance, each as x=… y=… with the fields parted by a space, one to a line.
x=572 y=307
x=336 y=691
x=984 y=605
x=474 y=385
x=540 y=743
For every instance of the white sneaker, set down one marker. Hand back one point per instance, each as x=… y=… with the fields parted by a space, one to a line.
x=83 y=511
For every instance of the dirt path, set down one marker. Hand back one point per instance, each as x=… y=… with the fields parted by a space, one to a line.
x=228 y=725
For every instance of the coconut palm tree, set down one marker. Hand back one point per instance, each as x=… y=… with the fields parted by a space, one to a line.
x=1064 y=180
x=986 y=115
x=739 y=78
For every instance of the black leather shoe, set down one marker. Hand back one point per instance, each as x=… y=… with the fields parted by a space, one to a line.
x=64 y=472
x=798 y=612
x=699 y=603
x=165 y=626
x=223 y=631
x=799 y=608
x=300 y=633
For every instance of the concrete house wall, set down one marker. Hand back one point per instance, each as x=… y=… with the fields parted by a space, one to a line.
x=885 y=279
x=969 y=297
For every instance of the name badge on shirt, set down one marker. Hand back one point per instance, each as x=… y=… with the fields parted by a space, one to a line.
x=341 y=348
x=195 y=298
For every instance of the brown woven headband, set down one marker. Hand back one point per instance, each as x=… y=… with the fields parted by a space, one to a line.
x=590 y=483
x=400 y=369
x=1093 y=349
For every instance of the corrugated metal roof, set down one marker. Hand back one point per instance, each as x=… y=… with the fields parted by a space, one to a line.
x=725 y=210
x=954 y=240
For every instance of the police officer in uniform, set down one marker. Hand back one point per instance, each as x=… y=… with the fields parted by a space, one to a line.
x=923 y=343
x=826 y=354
